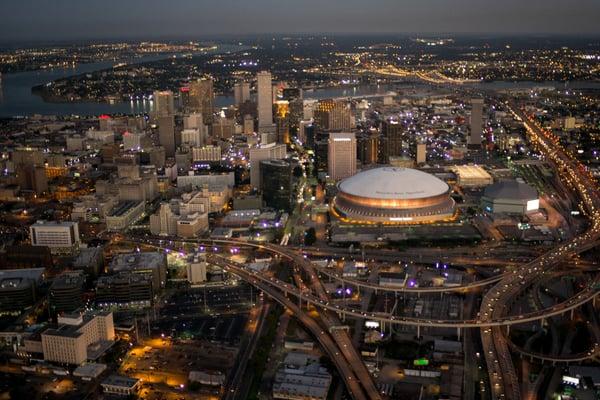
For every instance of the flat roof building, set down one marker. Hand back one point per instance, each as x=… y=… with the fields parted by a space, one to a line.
x=78 y=337
x=472 y=175
x=510 y=197
x=151 y=263
x=66 y=292
x=60 y=237
x=120 y=385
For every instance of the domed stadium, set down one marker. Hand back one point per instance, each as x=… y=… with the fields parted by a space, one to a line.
x=393 y=195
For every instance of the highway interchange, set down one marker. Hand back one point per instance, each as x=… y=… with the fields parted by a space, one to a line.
x=492 y=319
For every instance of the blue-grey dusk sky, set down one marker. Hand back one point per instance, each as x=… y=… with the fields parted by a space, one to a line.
x=87 y=19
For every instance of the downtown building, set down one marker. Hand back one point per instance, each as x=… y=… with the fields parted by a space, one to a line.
x=277 y=184
x=78 y=337
x=201 y=98
x=60 y=237
x=341 y=157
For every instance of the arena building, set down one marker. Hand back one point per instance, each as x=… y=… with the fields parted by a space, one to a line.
x=510 y=197
x=391 y=195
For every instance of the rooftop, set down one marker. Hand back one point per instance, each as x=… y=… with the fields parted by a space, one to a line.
x=511 y=189
x=393 y=183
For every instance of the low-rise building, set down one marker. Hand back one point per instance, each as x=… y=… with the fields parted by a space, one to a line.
x=120 y=385
x=150 y=263
x=124 y=214
x=301 y=378
x=125 y=289
x=390 y=279
x=472 y=175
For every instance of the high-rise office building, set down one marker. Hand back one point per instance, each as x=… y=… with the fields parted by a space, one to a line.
x=248 y=124
x=163 y=103
x=241 y=92
x=334 y=115
x=276 y=184
x=264 y=99
x=341 y=157
x=166 y=134
x=367 y=150
x=421 y=153
x=270 y=151
x=202 y=98
x=282 y=121
x=223 y=128
x=184 y=97
x=392 y=140
x=193 y=121
x=306 y=133
x=476 y=131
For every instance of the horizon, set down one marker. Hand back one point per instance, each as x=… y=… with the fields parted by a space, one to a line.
x=279 y=35
x=32 y=20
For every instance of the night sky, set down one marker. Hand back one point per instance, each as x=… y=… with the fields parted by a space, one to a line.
x=88 y=19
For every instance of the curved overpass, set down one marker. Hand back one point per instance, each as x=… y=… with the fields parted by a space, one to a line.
x=275 y=286
x=556 y=359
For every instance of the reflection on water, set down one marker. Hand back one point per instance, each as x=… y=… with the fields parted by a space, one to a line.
x=16 y=98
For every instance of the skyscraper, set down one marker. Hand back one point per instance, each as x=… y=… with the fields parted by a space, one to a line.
x=421 y=153
x=282 y=121
x=334 y=115
x=476 y=131
x=193 y=121
x=163 y=103
x=270 y=151
x=202 y=98
x=276 y=183
x=241 y=92
x=367 y=149
x=248 y=124
x=265 y=99
x=166 y=134
x=391 y=143
x=341 y=157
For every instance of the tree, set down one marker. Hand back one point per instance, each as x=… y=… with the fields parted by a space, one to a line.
x=310 y=237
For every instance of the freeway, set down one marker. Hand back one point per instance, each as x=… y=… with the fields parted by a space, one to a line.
x=502 y=374
x=234 y=389
x=277 y=286
x=341 y=336
x=406 y=289
x=592 y=353
x=322 y=335
x=519 y=279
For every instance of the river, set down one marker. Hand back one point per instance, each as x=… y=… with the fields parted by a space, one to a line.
x=16 y=98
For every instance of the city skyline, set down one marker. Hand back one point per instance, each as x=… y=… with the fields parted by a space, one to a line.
x=36 y=20
x=216 y=200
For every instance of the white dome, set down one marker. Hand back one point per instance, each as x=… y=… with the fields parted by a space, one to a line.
x=393 y=183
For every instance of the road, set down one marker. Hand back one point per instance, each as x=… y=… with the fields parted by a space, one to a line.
x=503 y=378
x=234 y=389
